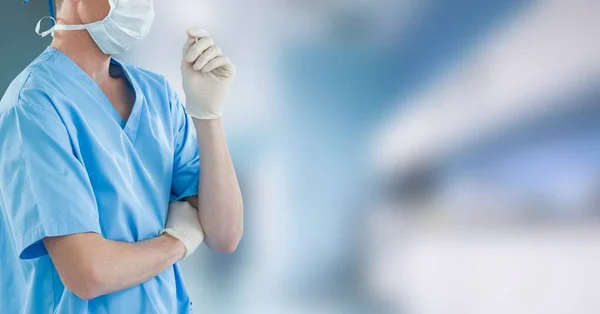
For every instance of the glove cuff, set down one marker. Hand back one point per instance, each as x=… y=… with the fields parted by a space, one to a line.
x=186 y=243
x=202 y=114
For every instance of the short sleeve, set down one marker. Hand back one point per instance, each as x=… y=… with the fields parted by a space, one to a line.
x=186 y=166
x=45 y=190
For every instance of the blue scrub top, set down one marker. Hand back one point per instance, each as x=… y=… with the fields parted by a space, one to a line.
x=69 y=164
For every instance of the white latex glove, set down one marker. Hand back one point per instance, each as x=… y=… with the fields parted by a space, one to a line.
x=183 y=224
x=207 y=75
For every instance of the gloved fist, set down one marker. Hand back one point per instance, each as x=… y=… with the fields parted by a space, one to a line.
x=183 y=224
x=207 y=75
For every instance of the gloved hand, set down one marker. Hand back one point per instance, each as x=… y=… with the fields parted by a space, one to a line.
x=207 y=75
x=183 y=224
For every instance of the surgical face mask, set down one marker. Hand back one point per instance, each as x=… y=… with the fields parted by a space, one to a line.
x=128 y=22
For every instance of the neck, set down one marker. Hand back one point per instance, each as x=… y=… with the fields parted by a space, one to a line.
x=81 y=48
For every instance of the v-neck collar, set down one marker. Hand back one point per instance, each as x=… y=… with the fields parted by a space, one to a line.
x=129 y=127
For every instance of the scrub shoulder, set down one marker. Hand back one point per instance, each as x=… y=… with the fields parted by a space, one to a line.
x=34 y=86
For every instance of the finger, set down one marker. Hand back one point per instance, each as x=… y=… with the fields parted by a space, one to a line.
x=216 y=63
x=197 y=33
x=226 y=70
x=198 y=48
x=190 y=41
x=210 y=54
x=193 y=34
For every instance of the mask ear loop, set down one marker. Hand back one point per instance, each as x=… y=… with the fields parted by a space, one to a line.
x=47 y=32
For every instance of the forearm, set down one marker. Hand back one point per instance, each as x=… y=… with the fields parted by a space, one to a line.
x=130 y=264
x=102 y=266
x=219 y=204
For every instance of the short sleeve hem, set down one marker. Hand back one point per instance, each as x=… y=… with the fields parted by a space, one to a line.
x=33 y=247
x=192 y=190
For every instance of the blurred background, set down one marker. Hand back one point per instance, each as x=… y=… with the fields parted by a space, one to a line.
x=396 y=156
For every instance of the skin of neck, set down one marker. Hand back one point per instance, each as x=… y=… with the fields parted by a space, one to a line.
x=79 y=46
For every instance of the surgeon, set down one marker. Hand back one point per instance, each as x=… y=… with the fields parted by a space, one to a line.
x=107 y=180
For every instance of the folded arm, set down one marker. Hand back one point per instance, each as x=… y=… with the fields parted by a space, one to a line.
x=207 y=75
x=220 y=205
x=91 y=266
